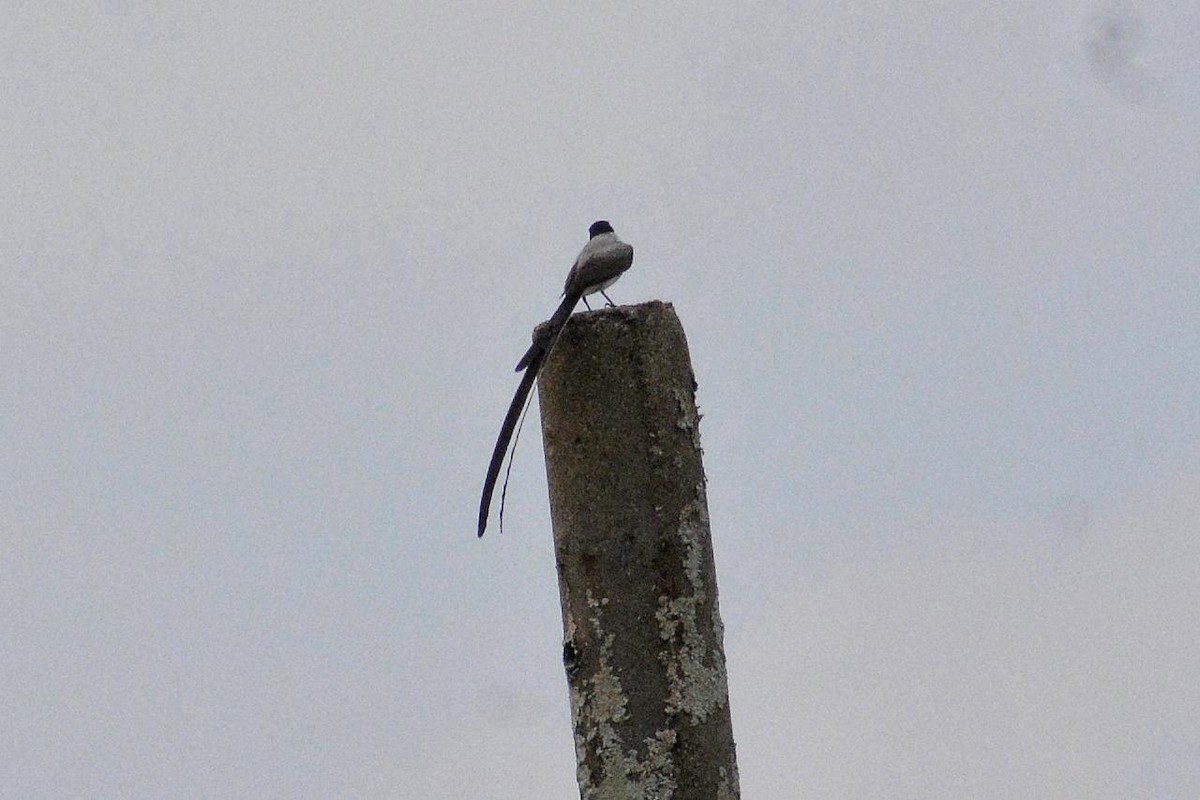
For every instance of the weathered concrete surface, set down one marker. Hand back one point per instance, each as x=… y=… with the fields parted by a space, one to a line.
x=642 y=633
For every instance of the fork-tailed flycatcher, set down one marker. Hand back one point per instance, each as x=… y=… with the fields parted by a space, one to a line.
x=603 y=259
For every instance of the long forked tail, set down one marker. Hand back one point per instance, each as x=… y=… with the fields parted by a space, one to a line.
x=532 y=363
x=506 y=432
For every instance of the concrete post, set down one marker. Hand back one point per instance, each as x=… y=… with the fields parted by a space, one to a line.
x=642 y=634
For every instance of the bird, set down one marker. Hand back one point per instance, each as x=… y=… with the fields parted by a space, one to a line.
x=600 y=263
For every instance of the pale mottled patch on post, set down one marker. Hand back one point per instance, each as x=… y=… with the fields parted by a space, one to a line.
x=599 y=705
x=689 y=417
x=728 y=789
x=696 y=688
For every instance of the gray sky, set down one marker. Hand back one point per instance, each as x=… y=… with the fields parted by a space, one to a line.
x=266 y=269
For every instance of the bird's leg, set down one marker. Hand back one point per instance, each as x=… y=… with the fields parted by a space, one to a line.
x=586 y=303
x=611 y=304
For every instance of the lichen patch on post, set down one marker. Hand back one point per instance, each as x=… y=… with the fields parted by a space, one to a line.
x=689 y=417
x=695 y=688
x=728 y=789
x=599 y=705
